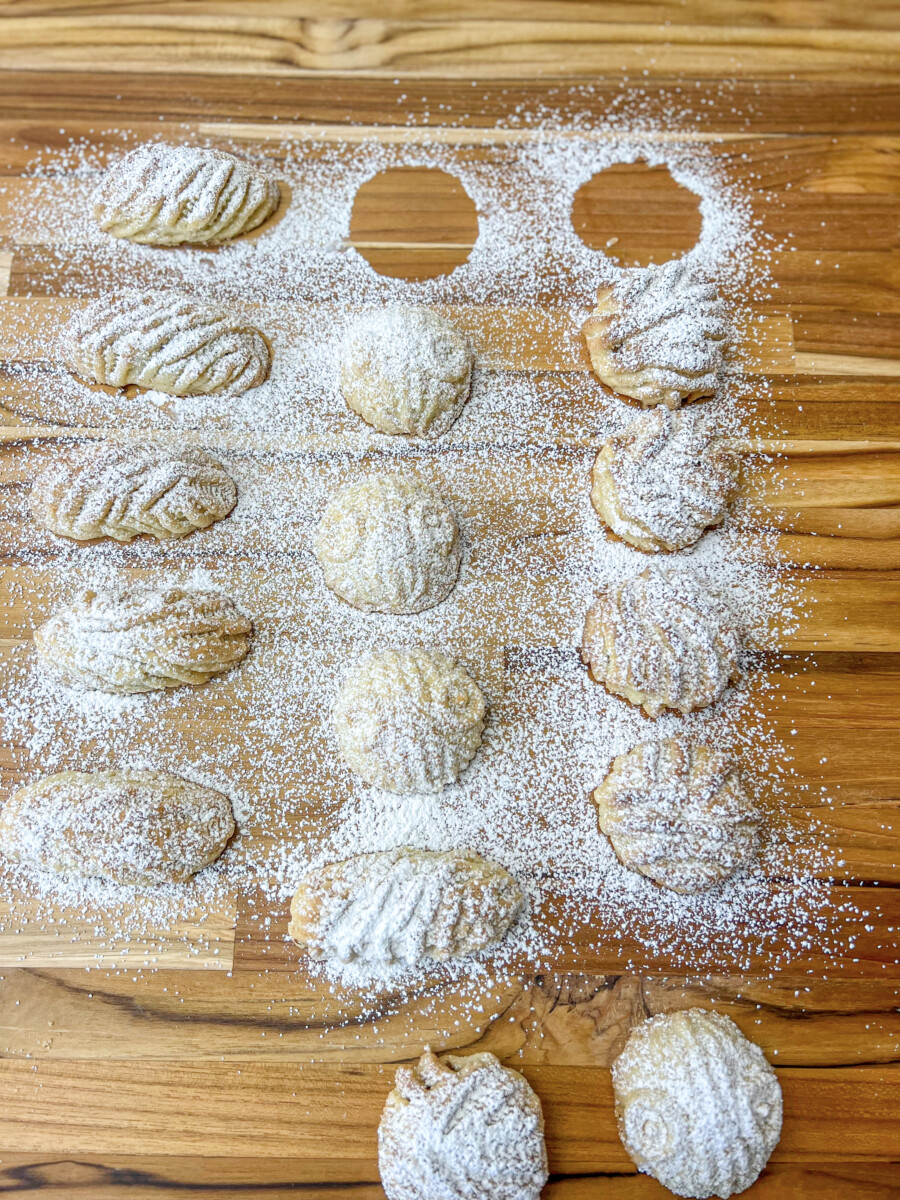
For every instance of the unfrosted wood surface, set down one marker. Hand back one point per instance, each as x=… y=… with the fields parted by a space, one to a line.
x=234 y=1081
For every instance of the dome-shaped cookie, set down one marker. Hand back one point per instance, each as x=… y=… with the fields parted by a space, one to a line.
x=663 y=481
x=409 y=720
x=165 y=342
x=124 y=826
x=403 y=906
x=406 y=370
x=120 y=491
x=143 y=639
x=167 y=195
x=389 y=543
x=662 y=641
x=678 y=814
x=698 y=1106
x=461 y=1129
x=658 y=335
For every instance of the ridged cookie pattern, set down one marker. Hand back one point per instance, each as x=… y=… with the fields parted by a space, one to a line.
x=678 y=814
x=165 y=342
x=127 y=827
x=698 y=1106
x=662 y=641
x=662 y=482
x=122 y=491
x=404 y=907
x=658 y=335
x=409 y=720
x=166 y=195
x=462 y=1129
x=144 y=639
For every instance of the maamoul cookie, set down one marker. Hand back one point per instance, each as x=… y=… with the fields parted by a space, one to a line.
x=409 y=720
x=663 y=481
x=143 y=639
x=165 y=342
x=461 y=1129
x=661 y=641
x=141 y=827
x=403 y=906
x=121 y=491
x=678 y=814
x=698 y=1106
x=167 y=195
x=389 y=543
x=659 y=335
x=406 y=370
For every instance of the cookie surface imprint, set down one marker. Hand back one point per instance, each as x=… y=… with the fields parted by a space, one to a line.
x=389 y=543
x=662 y=641
x=166 y=195
x=409 y=720
x=144 y=639
x=167 y=343
x=128 y=827
x=658 y=335
x=461 y=1129
x=406 y=370
x=678 y=814
x=121 y=491
x=662 y=482
x=698 y=1105
x=404 y=906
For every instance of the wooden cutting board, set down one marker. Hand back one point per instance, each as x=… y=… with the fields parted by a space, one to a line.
x=198 y=1082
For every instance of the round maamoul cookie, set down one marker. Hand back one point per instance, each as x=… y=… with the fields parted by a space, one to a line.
x=662 y=641
x=128 y=827
x=409 y=720
x=406 y=370
x=144 y=639
x=120 y=491
x=678 y=814
x=403 y=907
x=165 y=342
x=389 y=543
x=461 y=1129
x=663 y=481
x=698 y=1105
x=658 y=335
x=165 y=195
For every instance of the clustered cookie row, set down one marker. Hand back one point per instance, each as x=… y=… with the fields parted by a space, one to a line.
x=698 y=1107
x=412 y=720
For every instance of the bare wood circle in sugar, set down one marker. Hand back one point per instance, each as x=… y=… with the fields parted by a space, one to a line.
x=413 y=223
x=637 y=215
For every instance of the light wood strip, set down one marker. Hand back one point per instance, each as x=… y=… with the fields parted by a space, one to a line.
x=31 y=938
x=449 y=48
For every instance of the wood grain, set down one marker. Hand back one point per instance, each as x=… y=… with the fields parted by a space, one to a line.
x=234 y=1083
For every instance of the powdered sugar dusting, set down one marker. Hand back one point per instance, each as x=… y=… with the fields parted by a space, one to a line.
x=514 y=469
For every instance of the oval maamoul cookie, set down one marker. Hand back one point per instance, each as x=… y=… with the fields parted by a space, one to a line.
x=678 y=814
x=143 y=827
x=167 y=195
x=404 y=907
x=662 y=641
x=406 y=370
x=144 y=639
x=389 y=543
x=461 y=1129
x=409 y=720
x=167 y=343
x=121 y=491
x=698 y=1105
x=658 y=335
x=663 y=481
